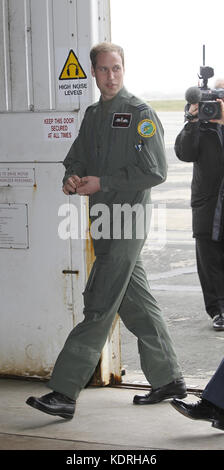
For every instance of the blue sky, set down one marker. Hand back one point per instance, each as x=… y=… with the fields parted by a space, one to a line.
x=163 y=43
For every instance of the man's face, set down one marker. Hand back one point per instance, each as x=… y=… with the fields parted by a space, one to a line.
x=109 y=74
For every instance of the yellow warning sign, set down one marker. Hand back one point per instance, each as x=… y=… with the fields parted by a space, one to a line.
x=72 y=69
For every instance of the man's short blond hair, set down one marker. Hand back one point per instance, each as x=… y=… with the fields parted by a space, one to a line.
x=105 y=47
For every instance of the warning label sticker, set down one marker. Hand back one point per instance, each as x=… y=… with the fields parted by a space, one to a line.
x=58 y=128
x=72 y=78
x=72 y=69
x=24 y=177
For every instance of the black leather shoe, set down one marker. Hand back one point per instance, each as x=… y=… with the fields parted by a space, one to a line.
x=202 y=410
x=175 y=389
x=55 y=404
x=218 y=322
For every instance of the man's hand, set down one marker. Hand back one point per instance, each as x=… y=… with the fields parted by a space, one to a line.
x=221 y=120
x=71 y=184
x=88 y=185
x=194 y=111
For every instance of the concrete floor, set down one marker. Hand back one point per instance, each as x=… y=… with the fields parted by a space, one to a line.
x=105 y=419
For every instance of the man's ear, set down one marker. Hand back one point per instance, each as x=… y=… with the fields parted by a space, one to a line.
x=92 y=71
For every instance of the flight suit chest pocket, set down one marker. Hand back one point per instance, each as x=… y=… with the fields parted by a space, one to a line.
x=120 y=148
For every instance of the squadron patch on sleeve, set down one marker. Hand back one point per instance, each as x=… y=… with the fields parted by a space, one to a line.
x=121 y=120
x=146 y=128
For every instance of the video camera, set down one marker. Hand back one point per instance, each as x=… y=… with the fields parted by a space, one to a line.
x=208 y=108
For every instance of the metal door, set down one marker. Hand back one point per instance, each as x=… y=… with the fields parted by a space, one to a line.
x=45 y=87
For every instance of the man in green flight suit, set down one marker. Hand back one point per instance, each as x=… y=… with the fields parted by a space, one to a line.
x=115 y=160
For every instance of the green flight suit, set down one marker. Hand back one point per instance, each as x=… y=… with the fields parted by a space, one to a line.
x=120 y=141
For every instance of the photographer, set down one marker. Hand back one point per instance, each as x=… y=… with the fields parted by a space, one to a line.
x=202 y=142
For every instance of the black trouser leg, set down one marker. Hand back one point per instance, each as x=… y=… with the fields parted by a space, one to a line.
x=214 y=390
x=210 y=266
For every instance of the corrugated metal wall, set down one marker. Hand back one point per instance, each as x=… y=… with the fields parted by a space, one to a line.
x=31 y=31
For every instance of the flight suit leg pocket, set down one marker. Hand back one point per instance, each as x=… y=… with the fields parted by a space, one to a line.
x=94 y=298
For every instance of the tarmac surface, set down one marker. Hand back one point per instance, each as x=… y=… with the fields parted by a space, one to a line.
x=169 y=258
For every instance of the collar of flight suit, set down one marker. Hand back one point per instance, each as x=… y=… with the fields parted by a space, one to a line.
x=112 y=104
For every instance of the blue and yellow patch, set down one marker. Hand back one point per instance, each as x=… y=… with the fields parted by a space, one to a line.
x=146 y=128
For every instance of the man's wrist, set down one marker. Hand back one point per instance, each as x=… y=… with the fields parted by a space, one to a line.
x=191 y=117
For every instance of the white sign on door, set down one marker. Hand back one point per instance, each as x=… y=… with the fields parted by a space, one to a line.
x=72 y=82
x=14 y=226
x=58 y=128
x=24 y=177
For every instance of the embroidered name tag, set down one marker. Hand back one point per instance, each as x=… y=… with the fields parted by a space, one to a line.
x=121 y=120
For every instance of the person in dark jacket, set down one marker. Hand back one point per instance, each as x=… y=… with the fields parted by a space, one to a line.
x=202 y=143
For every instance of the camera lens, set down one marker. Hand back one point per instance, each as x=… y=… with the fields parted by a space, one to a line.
x=208 y=110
